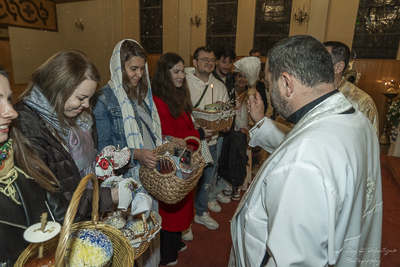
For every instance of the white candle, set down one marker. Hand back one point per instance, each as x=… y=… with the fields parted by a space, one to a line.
x=200 y=14
x=212 y=93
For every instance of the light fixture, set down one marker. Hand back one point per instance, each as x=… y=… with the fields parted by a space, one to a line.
x=302 y=15
x=390 y=92
x=79 y=24
x=196 y=20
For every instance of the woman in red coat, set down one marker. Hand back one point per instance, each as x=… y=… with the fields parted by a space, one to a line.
x=172 y=98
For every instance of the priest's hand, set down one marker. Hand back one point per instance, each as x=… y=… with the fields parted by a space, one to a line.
x=255 y=107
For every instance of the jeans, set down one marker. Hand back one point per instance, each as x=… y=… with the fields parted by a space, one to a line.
x=204 y=185
x=218 y=184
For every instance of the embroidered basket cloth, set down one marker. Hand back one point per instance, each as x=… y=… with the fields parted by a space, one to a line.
x=216 y=120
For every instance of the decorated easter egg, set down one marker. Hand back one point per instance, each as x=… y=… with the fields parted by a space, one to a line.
x=130 y=234
x=117 y=222
x=88 y=247
x=137 y=226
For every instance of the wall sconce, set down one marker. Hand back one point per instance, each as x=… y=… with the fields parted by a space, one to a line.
x=196 y=20
x=390 y=92
x=302 y=15
x=79 y=24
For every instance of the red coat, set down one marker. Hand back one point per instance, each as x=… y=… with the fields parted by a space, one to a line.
x=176 y=217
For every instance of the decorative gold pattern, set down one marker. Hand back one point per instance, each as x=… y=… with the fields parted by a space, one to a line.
x=361 y=101
x=38 y=14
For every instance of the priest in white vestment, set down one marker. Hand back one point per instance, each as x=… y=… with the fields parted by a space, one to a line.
x=360 y=100
x=317 y=199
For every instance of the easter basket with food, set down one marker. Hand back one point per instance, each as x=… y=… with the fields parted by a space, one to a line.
x=87 y=243
x=177 y=173
x=217 y=116
x=138 y=228
x=133 y=217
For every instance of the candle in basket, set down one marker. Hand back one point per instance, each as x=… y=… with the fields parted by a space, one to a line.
x=212 y=93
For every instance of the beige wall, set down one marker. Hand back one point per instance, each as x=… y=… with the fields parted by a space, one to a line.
x=184 y=43
x=245 y=26
x=171 y=26
x=342 y=16
x=130 y=19
x=109 y=21
x=29 y=49
x=103 y=29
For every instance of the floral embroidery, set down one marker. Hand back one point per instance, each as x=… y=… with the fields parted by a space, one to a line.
x=133 y=187
x=370 y=189
x=104 y=163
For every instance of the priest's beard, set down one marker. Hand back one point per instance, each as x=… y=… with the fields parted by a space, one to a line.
x=282 y=106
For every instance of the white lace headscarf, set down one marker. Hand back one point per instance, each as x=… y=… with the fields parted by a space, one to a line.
x=132 y=132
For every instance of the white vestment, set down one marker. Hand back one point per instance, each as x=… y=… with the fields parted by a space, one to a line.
x=317 y=199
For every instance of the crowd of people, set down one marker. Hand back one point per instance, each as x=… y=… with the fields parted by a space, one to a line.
x=317 y=194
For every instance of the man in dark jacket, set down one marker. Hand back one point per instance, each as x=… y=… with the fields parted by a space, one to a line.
x=225 y=57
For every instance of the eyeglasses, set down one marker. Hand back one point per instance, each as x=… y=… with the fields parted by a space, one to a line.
x=207 y=60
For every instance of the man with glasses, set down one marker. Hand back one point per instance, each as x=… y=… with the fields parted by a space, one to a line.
x=205 y=89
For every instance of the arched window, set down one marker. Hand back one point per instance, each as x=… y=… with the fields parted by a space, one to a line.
x=151 y=26
x=377 y=30
x=221 y=23
x=272 y=23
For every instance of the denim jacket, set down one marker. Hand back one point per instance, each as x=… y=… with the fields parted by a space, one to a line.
x=110 y=127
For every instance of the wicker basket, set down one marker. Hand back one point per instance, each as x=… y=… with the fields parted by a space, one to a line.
x=123 y=251
x=141 y=244
x=216 y=120
x=167 y=187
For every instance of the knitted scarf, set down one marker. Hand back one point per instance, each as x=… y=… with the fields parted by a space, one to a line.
x=132 y=131
x=77 y=141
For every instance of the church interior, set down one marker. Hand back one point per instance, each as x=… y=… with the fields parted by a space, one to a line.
x=32 y=32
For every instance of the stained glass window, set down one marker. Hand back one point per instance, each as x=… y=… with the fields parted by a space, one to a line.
x=272 y=23
x=221 y=23
x=377 y=30
x=151 y=26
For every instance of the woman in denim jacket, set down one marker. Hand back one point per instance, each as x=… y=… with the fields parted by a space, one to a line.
x=126 y=116
x=125 y=112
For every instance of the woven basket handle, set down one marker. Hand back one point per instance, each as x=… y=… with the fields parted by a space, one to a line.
x=197 y=140
x=71 y=212
x=168 y=159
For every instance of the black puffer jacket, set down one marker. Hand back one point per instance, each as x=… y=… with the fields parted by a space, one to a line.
x=58 y=159
x=15 y=219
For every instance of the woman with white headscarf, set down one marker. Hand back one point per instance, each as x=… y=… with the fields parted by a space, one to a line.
x=126 y=116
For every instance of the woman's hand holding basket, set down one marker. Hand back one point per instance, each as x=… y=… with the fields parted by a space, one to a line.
x=146 y=157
